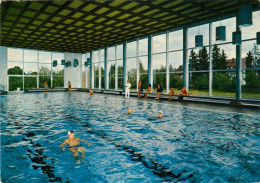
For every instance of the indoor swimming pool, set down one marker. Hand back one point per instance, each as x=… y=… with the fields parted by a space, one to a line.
x=187 y=145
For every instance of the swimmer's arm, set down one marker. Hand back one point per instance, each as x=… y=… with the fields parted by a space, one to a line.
x=62 y=145
x=89 y=144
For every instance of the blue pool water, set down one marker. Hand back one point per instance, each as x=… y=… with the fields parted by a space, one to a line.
x=187 y=145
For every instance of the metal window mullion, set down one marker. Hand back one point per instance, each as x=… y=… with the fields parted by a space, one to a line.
x=124 y=64
x=51 y=69
x=167 y=63
x=238 y=66
x=105 y=69
x=38 y=80
x=91 y=71
x=210 y=59
x=116 y=71
x=150 y=74
x=23 y=69
x=99 y=70
x=137 y=64
x=185 y=61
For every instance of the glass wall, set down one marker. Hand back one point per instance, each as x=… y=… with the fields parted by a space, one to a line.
x=119 y=67
x=131 y=64
x=198 y=61
x=98 y=68
x=159 y=61
x=143 y=62
x=176 y=60
x=28 y=69
x=224 y=61
x=111 y=67
x=85 y=79
x=251 y=60
x=58 y=71
x=167 y=61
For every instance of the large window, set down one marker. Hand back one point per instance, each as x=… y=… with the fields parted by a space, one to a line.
x=142 y=61
x=159 y=61
x=199 y=71
x=58 y=71
x=131 y=64
x=111 y=67
x=119 y=67
x=29 y=69
x=176 y=60
x=224 y=61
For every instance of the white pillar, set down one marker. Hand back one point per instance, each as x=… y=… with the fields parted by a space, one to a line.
x=3 y=68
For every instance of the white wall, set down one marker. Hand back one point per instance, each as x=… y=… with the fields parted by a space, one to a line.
x=3 y=66
x=73 y=74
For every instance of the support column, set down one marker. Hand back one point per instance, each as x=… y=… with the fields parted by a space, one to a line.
x=91 y=71
x=52 y=71
x=105 y=68
x=124 y=64
x=137 y=64
x=238 y=66
x=167 y=63
x=185 y=62
x=150 y=60
x=23 y=70
x=210 y=59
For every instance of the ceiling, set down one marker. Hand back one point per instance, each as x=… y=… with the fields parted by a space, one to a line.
x=80 y=26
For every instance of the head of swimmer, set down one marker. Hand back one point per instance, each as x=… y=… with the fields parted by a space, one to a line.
x=71 y=134
x=129 y=111
x=160 y=114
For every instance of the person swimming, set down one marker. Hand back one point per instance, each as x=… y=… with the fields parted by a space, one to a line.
x=129 y=111
x=74 y=146
x=160 y=113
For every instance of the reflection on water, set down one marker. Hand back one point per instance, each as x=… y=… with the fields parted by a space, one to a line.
x=187 y=144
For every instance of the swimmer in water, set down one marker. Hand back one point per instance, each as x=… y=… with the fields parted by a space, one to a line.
x=158 y=117
x=74 y=146
x=129 y=111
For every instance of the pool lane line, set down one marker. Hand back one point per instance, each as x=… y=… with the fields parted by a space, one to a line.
x=38 y=156
x=156 y=168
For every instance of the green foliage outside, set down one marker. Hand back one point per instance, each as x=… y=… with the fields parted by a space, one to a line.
x=31 y=82
x=15 y=82
x=252 y=77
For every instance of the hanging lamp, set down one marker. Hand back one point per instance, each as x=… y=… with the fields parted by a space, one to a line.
x=245 y=16
x=75 y=62
x=221 y=33
x=54 y=64
x=199 y=41
x=68 y=64
x=88 y=62
x=236 y=37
